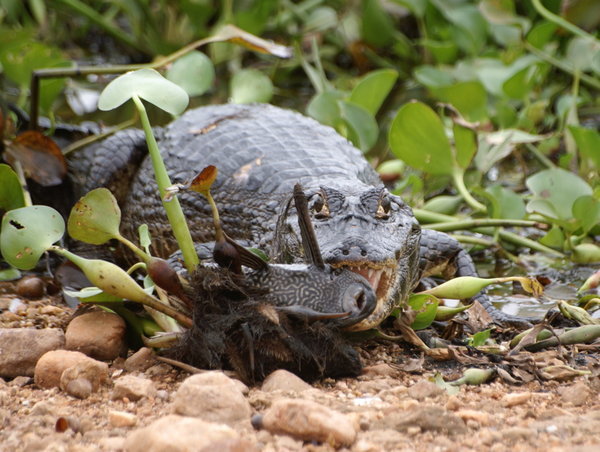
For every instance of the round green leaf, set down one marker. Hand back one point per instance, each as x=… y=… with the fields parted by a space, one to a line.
x=426 y=307
x=586 y=209
x=324 y=108
x=469 y=98
x=11 y=193
x=27 y=233
x=373 y=88
x=194 y=72
x=506 y=203
x=95 y=218
x=554 y=192
x=147 y=84
x=362 y=128
x=417 y=137
x=250 y=85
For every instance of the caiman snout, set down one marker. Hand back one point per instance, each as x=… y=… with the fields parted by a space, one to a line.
x=359 y=301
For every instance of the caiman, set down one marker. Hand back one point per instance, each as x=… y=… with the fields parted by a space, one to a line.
x=261 y=151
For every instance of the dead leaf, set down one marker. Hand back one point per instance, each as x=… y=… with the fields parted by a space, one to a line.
x=478 y=317
x=561 y=372
x=40 y=157
x=204 y=180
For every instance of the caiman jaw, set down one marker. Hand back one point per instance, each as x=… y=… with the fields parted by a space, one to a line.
x=382 y=277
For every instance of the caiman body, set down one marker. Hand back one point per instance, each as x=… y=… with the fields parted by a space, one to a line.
x=261 y=151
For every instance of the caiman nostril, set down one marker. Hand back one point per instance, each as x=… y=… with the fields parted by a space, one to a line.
x=345 y=252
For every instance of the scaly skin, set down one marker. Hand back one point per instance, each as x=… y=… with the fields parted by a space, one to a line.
x=261 y=151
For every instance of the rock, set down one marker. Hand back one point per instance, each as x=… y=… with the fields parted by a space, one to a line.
x=140 y=360
x=50 y=367
x=179 y=434
x=79 y=387
x=19 y=382
x=121 y=419
x=427 y=418
x=307 y=421
x=516 y=398
x=480 y=417
x=577 y=394
x=21 y=348
x=283 y=380
x=212 y=396
x=379 y=370
x=89 y=370
x=424 y=389
x=98 y=334
x=30 y=287
x=133 y=388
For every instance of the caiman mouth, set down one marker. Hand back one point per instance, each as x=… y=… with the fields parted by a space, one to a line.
x=382 y=276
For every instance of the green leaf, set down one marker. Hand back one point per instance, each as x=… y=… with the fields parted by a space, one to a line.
x=320 y=19
x=145 y=239
x=10 y=274
x=194 y=72
x=324 y=108
x=250 y=85
x=361 y=125
x=586 y=209
x=588 y=143
x=11 y=193
x=447 y=205
x=554 y=238
x=373 y=88
x=417 y=136
x=377 y=26
x=469 y=98
x=147 y=84
x=506 y=203
x=433 y=77
x=444 y=52
x=465 y=145
x=479 y=338
x=426 y=308
x=27 y=233
x=581 y=52
x=95 y=218
x=555 y=191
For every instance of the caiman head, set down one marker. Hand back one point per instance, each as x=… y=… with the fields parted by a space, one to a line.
x=366 y=230
x=315 y=290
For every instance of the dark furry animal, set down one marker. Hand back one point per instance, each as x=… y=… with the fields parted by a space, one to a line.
x=277 y=316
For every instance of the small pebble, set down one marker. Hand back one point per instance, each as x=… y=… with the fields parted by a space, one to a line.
x=79 y=387
x=122 y=419
x=516 y=398
x=30 y=287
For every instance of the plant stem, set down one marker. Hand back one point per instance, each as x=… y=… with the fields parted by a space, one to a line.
x=99 y=20
x=537 y=4
x=483 y=222
x=173 y=208
x=23 y=181
x=524 y=241
x=541 y=157
x=459 y=183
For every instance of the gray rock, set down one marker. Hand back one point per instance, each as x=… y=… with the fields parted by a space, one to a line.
x=89 y=370
x=308 y=421
x=283 y=380
x=140 y=360
x=21 y=348
x=427 y=418
x=79 y=387
x=578 y=394
x=424 y=389
x=133 y=388
x=212 y=396
x=179 y=434
x=51 y=366
x=98 y=334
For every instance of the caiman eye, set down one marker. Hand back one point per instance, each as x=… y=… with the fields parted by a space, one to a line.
x=384 y=207
x=319 y=206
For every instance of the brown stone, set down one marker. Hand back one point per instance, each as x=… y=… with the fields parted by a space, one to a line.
x=21 y=348
x=98 y=334
x=283 y=380
x=51 y=366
